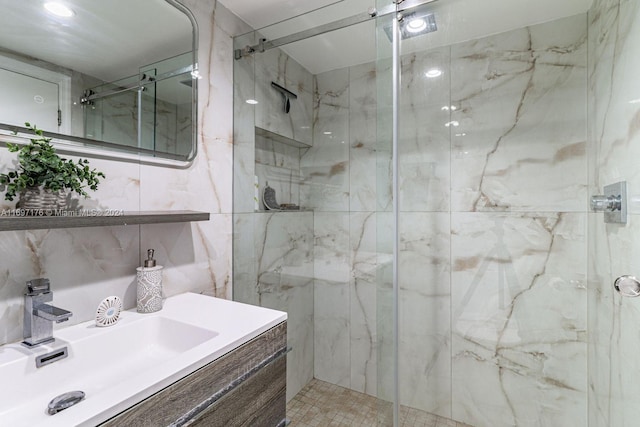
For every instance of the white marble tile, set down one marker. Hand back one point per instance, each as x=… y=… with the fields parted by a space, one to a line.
x=363 y=122
x=276 y=66
x=519 y=318
x=245 y=273
x=326 y=164
x=331 y=246
x=280 y=246
x=331 y=298
x=613 y=248
x=614 y=94
x=613 y=343
x=424 y=137
x=228 y=22
x=520 y=98
x=297 y=300
x=284 y=244
x=283 y=253
x=332 y=356
x=363 y=302
x=196 y=256
x=424 y=312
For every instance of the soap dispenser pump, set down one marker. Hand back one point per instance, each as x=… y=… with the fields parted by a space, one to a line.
x=149 y=287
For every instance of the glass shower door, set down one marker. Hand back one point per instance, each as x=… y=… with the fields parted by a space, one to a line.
x=492 y=223
x=613 y=248
x=414 y=307
x=327 y=265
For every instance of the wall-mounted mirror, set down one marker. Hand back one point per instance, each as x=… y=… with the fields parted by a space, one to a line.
x=115 y=74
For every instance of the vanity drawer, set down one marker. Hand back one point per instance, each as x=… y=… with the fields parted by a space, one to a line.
x=245 y=387
x=258 y=402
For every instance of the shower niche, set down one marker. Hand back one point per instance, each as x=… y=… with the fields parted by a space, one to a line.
x=277 y=169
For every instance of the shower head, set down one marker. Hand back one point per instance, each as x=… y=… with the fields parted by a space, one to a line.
x=414 y=24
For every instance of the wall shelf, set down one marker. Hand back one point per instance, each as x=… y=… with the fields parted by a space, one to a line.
x=98 y=219
x=271 y=136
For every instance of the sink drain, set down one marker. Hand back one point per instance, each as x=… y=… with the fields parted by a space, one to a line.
x=64 y=401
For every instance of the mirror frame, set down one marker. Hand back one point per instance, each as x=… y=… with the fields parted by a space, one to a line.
x=83 y=146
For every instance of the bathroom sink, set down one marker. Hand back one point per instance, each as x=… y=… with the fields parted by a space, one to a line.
x=121 y=365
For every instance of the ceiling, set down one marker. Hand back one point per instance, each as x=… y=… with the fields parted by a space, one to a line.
x=259 y=14
x=458 y=20
x=104 y=39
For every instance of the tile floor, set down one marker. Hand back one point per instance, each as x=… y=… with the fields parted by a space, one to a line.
x=322 y=404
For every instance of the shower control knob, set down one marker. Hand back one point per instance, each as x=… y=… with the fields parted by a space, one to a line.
x=627 y=286
x=605 y=203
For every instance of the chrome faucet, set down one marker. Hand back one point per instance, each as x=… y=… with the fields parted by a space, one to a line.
x=39 y=316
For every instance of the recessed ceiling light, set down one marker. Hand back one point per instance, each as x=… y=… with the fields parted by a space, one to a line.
x=413 y=24
x=453 y=123
x=251 y=101
x=434 y=72
x=416 y=25
x=59 y=9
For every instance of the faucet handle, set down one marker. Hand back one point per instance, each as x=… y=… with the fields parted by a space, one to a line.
x=38 y=286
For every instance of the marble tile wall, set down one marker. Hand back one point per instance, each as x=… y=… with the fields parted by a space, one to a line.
x=340 y=185
x=518 y=278
x=493 y=176
x=493 y=227
x=519 y=318
x=325 y=166
x=85 y=265
x=279 y=275
x=276 y=66
x=614 y=377
x=273 y=251
x=505 y=89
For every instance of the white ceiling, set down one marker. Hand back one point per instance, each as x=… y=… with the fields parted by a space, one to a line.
x=262 y=13
x=79 y=43
x=458 y=20
x=107 y=39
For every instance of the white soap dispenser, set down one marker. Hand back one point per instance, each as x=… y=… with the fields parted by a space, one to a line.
x=149 y=289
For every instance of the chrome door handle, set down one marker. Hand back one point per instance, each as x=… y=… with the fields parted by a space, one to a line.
x=627 y=286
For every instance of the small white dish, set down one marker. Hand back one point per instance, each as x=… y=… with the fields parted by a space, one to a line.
x=108 y=312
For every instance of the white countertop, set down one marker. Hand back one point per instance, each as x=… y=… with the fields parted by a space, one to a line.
x=190 y=331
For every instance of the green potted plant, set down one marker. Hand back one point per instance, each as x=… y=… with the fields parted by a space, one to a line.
x=43 y=178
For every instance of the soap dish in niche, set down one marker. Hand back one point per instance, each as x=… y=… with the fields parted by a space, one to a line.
x=108 y=312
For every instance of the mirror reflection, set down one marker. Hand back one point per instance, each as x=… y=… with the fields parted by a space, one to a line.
x=114 y=73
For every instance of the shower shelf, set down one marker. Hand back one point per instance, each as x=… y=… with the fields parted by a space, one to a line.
x=264 y=211
x=279 y=138
x=12 y=223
